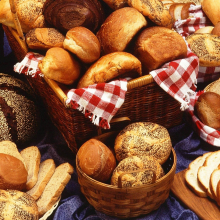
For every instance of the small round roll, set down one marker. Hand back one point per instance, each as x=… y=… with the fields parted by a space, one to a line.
x=83 y=43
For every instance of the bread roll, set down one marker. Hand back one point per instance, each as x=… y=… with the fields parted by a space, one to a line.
x=207 y=109
x=212 y=10
x=110 y=66
x=17 y=205
x=119 y=29
x=143 y=138
x=144 y=168
x=154 y=10
x=156 y=46
x=167 y=3
x=214 y=87
x=116 y=4
x=206 y=47
x=60 y=65
x=96 y=160
x=205 y=30
x=216 y=29
x=13 y=174
x=44 y=38
x=83 y=43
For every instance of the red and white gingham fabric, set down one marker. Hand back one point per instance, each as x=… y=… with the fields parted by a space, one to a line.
x=208 y=134
x=197 y=20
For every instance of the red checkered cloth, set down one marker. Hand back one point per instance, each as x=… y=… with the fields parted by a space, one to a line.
x=197 y=20
x=208 y=134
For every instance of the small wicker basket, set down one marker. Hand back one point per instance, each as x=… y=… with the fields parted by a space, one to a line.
x=127 y=202
x=144 y=101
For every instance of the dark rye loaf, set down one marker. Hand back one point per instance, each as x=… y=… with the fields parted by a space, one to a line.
x=19 y=115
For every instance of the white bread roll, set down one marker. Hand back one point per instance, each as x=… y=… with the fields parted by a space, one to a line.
x=119 y=29
x=13 y=174
x=83 y=43
x=109 y=67
x=60 y=65
x=17 y=205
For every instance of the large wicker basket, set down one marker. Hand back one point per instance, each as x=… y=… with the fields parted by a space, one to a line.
x=144 y=101
x=127 y=202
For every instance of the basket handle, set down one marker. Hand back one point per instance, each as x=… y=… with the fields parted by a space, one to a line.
x=136 y=171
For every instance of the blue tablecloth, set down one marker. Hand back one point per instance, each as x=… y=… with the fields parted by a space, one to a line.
x=73 y=205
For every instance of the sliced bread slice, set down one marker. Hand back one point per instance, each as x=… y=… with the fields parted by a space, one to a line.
x=32 y=157
x=10 y=148
x=214 y=179
x=191 y=175
x=46 y=170
x=205 y=171
x=54 y=187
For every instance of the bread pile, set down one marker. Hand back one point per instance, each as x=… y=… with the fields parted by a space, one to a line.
x=139 y=152
x=22 y=174
x=202 y=176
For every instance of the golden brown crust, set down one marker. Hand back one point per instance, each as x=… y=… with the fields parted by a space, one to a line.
x=109 y=67
x=60 y=65
x=119 y=28
x=83 y=43
x=116 y=4
x=143 y=138
x=149 y=165
x=216 y=29
x=157 y=45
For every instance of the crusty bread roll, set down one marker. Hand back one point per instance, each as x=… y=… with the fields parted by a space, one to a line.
x=13 y=174
x=212 y=10
x=143 y=138
x=119 y=28
x=60 y=65
x=83 y=43
x=96 y=160
x=110 y=66
x=156 y=46
x=116 y=4
x=207 y=109
x=32 y=157
x=154 y=10
x=205 y=30
x=214 y=87
x=167 y=3
x=206 y=47
x=216 y=29
x=44 y=38
x=144 y=168
x=17 y=205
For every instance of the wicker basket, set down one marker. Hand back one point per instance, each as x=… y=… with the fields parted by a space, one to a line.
x=127 y=202
x=144 y=101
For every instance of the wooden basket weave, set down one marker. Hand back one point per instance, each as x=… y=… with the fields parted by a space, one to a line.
x=144 y=101
x=128 y=202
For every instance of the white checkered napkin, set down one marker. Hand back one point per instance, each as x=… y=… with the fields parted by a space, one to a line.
x=208 y=134
x=99 y=102
x=178 y=78
x=197 y=20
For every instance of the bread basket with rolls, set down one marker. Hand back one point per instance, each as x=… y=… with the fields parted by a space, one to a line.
x=129 y=193
x=145 y=100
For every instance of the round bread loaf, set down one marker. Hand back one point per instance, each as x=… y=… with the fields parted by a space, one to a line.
x=119 y=28
x=83 y=43
x=143 y=138
x=216 y=29
x=96 y=160
x=44 y=38
x=19 y=114
x=109 y=67
x=59 y=65
x=207 y=108
x=156 y=46
x=13 y=174
x=146 y=167
x=17 y=205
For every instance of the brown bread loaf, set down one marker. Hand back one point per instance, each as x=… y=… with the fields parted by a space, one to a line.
x=96 y=160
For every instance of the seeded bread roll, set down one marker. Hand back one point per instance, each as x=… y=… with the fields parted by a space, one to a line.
x=44 y=38
x=154 y=10
x=143 y=138
x=206 y=47
x=13 y=174
x=17 y=205
x=156 y=46
x=83 y=43
x=119 y=28
x=144 y=166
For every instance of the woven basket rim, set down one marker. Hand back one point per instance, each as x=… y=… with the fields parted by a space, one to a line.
x=153 y=185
